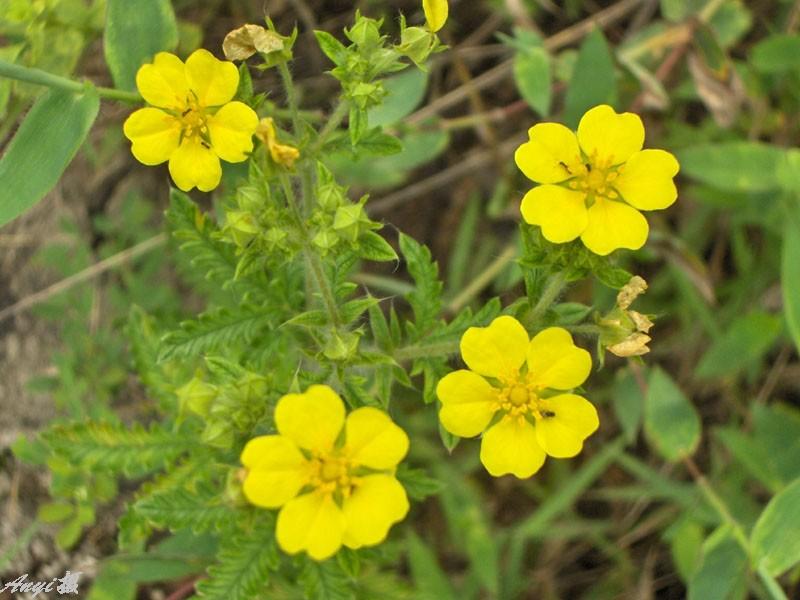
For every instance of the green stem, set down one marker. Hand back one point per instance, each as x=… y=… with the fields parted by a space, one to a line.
x=773 y=589
x=291 y=97
x=555 y=284
x=336 y=118
x=39 y=77
x=717 y=503
x=312 y=258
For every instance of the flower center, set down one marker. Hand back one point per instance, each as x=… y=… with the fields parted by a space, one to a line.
x=594 y=177
x=331 y=473
x=520 y=398
x=194 y=120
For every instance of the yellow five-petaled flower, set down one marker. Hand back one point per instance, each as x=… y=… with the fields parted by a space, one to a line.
x=594 y=184
x=333 y=478
x=512 y=394
x=192 y=122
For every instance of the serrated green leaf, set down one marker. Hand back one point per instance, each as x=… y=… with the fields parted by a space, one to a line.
x=333 y=48
x=593 y=79
x=670 y=420
x=426 y=299
x=353 y=309
x=115 y=448
x=418 y=484
x=310 y=318
x=199 y=509
x=325 y=581
x=775 y=539
x=243 y=567
x=43 y=146
x=134 y=33
x=377 y=143
x=372 y=246
x=215 y=329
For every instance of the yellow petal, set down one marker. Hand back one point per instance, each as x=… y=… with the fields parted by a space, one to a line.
x=276 y=470
x=510 y=446
x=312 y=420
x=213 y=81
x=195 y=164
x=231 y=130
x=574 y=419
x=467 y=403
x=154 y=134
x=435 y=13
x=373 y=440
x=609 y=137
x=614 y=225
x=645 y=181
x=554 y=361
x=378 y=502
x=311 y=522
x=561 y=213
x=163 y=83
x=547 y=157
x=497 y=350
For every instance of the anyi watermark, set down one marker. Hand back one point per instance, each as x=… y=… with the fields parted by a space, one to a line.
x=68 y=584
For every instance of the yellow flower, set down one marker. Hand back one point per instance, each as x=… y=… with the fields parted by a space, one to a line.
x=282 y=154
x=593 y=183
x=192 y=122
x=435 y=13
x=512 y=385
x=333 y=478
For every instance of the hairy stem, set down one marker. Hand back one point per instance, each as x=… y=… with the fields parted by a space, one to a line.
x=312 y=257
x=39 y=77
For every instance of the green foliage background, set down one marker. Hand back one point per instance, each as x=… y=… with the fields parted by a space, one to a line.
x=692 y=485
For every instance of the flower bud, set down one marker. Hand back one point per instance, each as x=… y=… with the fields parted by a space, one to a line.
x=365 y=32
x=325 y=240
x=341 y=345
x=416 y=43
x=349 y=221
x=196 y=396
x=241 y=225
x=624 y=332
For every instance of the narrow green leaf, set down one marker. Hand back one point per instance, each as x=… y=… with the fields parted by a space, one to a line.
x=790 y=276
x=332 y=47
x=42 y=148
x=532 y=73
x=593 y=79
x=722 y=574
x=431 y=582
x=734 y=166
x=776 y=536
x=776 y=53
x=628 y=403
x=671 y=422
x=134 y=33
x=742 y=344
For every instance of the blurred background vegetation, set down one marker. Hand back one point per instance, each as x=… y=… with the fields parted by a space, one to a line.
x=695 y=441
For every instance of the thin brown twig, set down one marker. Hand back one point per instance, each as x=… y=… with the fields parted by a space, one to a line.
x=415 y=190
x=85 y=275
x=183 y=590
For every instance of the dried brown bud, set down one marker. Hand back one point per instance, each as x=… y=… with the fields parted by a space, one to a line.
x=634 y=345
x=634 y=288
x=242 y=43
x=641 y=321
